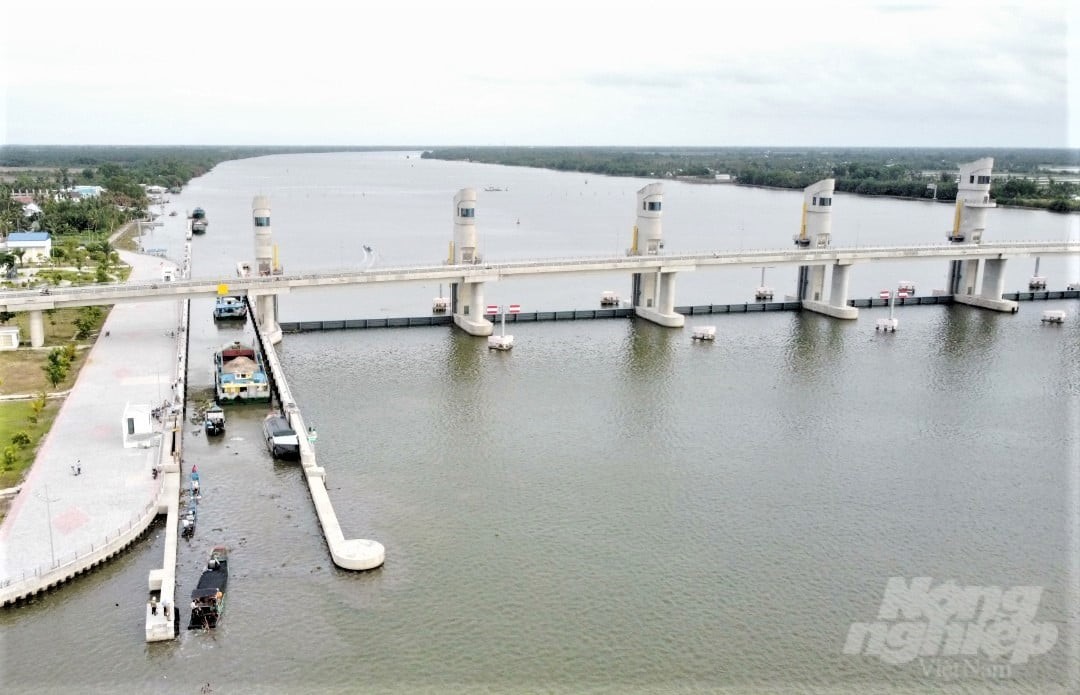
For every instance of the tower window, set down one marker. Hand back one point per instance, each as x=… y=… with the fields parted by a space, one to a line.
x=653 y=206
x=262 y=221
x=984 y=179
x=972 y=179
x=467 y=212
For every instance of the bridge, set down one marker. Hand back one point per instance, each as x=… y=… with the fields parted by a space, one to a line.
x=113 y=293
x=975 y=276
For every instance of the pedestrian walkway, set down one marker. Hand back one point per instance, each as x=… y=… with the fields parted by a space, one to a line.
x=59 y=516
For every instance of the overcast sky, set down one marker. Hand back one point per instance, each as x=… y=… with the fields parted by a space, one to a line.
x=671 y=72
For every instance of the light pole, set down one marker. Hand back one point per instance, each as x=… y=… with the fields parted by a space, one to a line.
x=48 y=519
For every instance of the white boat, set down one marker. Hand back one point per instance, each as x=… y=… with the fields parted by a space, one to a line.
x=281 y=439
x=1053 y=316
x=704 y=333
x=609 y=298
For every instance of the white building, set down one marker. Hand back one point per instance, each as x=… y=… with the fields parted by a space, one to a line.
x=37 y=245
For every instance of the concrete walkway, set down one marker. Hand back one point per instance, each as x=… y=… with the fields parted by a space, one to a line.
x=58 y=515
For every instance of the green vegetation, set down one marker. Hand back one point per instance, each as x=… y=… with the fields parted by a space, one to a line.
x=908 y=173
x=23 y=424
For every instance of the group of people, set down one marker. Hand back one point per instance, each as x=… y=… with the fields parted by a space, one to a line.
x=76 y=468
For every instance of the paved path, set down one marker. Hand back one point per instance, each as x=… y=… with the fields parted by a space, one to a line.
x=58 y=514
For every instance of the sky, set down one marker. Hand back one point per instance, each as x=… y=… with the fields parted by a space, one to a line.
x=950 y=73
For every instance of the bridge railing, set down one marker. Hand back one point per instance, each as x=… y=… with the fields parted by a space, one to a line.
x=902 y=251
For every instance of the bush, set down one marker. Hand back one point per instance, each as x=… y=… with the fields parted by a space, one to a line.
x=21 y=439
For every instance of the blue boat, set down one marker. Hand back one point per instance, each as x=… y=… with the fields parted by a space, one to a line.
x=229 y=308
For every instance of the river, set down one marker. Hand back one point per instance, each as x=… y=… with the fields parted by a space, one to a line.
x=610 y=507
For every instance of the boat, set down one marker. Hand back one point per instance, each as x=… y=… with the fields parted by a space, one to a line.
x=227 y=308
x=196 y=493
x=198 y=226
x=187 y=523
x=281 y=439
x=214 y=420
x=208 y=597
x=198 y=214
x=704 y=333
x=240 y=375
x=609 y=298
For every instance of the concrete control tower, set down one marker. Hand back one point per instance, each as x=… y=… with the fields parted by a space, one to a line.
x=265 y=305
x=815 y=233
x=467 y=296
x=969 y=222
x=652 y=294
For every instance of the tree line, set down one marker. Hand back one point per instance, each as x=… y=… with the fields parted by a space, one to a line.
x=901 y=172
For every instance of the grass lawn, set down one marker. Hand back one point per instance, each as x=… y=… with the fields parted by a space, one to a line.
x=14 y=417
x=21 y=373
x=21 y=370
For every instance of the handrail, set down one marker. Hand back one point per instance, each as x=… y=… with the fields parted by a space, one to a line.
x=209 y=284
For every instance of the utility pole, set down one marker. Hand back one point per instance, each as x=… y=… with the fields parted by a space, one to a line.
x=48 y=519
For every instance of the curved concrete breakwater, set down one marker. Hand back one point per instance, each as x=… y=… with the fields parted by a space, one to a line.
x=353 y=553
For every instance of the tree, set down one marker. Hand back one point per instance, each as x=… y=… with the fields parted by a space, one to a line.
x=55 y=372
x=36 y=407
x=11 y=457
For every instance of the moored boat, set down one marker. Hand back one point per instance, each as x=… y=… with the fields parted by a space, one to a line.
x=229 y=308
x=208 y=597
x=214 y=420
x=240 y=375
x=281 y=440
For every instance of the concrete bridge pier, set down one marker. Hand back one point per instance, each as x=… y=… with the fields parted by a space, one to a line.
x=37 y=328
x=266 y=315
x=837 y=306
x=658 y=300
x=468 y=307
x=992 y=287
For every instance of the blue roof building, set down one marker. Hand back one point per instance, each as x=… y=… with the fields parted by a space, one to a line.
x=23 y=237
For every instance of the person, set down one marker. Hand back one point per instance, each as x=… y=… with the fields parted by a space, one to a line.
x=153 y=605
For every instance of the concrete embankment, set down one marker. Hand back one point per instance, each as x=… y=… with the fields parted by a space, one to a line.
x=347 y=553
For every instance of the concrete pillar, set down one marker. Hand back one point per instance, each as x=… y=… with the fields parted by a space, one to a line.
x=266 y=311
x=468 y=296
x=992 y=286
x=837 y=305
x=993 y=278
x=37 y=329
x=815 y=232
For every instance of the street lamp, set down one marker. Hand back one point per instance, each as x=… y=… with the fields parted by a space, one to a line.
x=48 y=519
